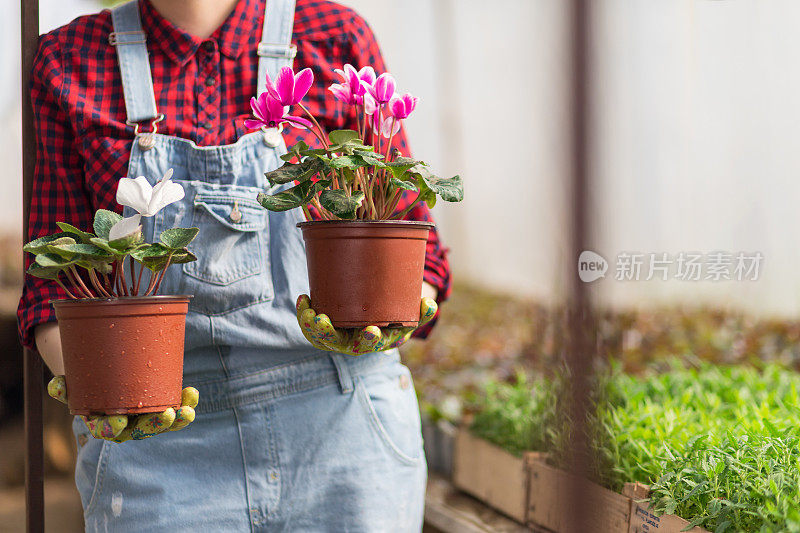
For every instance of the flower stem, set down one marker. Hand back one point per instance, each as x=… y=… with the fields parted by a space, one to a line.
x=60 y=284
x=153 y=279
x=387 y=214
x=121 y=265
x=314 y=121
x=405 y=211
x=115 y=282
x=82 y=285
x=161 y=275
x=97 y=285
x=138 y=280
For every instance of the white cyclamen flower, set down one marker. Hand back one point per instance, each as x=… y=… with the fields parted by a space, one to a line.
x=125 y=227
x=145 y=199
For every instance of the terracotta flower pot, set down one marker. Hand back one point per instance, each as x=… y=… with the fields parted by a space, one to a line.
x=365 y=273
x=123 y=355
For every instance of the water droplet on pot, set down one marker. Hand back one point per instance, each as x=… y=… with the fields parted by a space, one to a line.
x=111 y=325
x=139 y=404
x=149 y=364
x=123 y=352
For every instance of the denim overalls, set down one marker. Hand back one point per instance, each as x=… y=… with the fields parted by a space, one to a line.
x=287 y=438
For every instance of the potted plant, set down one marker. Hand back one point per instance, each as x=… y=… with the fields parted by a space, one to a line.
x=365 y=263
x=115 y=329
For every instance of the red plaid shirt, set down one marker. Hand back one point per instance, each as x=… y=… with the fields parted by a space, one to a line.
x=203 y=87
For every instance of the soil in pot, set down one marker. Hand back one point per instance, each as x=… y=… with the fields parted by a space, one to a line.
x=365 y=273
x=123 y=355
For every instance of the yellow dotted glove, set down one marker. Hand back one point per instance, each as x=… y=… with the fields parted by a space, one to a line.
x=120 y=428
x=320 y=332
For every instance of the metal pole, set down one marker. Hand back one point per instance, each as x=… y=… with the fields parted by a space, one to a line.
x=581 y=347
x=34 y=457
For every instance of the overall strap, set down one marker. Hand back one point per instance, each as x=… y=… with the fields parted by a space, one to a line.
x=276 y=49
x=134 y=65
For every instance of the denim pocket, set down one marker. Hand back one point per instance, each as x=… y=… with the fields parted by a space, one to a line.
x=391 y=405
x=231 y=229
x=90 y=466
x=232 y=270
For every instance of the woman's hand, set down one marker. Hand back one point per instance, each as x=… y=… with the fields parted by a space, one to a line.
x=320 y=332
x=119 y=428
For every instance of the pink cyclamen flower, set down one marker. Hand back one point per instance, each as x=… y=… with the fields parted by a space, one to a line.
x=353 y=78
x=270 y=113
x=290 y=88
x=352 y=91
x=401 y=107
x=386 y=126
x=344 y=93
x=367 y=74
x=368 y=102
x=383 y=88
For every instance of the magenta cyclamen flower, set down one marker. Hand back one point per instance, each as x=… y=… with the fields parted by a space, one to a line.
x=401 y=107
x=352 y=91
x=290 y=88
x=344 y=93
x=353 y=78
x=270 y=113
x=386 y=126
x=383 y=88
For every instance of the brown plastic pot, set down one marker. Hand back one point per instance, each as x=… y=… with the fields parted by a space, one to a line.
x=123 y=355
x=365 y=273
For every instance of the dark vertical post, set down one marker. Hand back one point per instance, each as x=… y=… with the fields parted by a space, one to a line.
x=580 y=346
x=34 y=458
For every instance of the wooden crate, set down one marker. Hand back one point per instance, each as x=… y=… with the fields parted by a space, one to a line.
x=548 y=500
x=491 y=474
x=643 y=520
x=534 y=493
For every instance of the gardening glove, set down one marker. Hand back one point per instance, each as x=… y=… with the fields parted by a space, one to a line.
x=120 y=428
x=320 y=332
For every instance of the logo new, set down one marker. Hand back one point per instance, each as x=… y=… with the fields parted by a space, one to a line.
x=591 y=266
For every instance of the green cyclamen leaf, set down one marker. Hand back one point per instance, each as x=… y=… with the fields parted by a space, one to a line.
x=407 y=185
x=41 y=245
x=353 y=162
x=450 y=189
x=103 y=222
x=84 y=237
x=297 y=196
x=295 y=171
x=159 y=262
x=340 y=203
x=295 y=151
x=124 y=244
x=104 y=244
x=343 y=136
x=371 y=158
x=84 y=251
x=39 y=271
x=53 y=261
x=177 y=238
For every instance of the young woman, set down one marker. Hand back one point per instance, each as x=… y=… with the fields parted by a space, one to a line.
x=286 y=436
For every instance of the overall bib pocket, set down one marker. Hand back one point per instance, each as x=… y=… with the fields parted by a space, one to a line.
x=232 y=270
